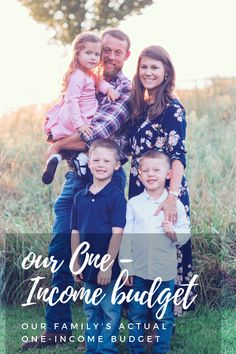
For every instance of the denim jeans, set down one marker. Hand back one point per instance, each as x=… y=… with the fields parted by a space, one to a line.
x=60 y=248
x=103 y=320
x=138 y=315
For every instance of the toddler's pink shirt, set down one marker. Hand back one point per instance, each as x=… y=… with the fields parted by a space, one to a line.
x=76 y=108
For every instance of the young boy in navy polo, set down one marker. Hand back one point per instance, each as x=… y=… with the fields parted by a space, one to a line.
x=98 y=217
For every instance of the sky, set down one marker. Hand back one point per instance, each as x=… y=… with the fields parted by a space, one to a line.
x=198 y=34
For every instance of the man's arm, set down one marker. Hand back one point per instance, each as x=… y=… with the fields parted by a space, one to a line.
x=73 y=142
x=107 y=121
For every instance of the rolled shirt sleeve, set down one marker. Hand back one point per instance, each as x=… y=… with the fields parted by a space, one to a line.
x=111 y=116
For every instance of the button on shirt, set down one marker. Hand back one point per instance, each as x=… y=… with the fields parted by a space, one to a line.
x=94 y=216
x=153 y=254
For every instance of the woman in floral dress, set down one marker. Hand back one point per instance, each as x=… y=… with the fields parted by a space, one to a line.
x=159 y=123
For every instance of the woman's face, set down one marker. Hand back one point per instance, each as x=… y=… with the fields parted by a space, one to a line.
x=151 y=73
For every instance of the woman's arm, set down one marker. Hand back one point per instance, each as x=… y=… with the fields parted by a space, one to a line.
x=169 y=206
x=175 y=128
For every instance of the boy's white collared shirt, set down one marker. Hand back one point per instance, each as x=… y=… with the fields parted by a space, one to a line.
x=152 y=253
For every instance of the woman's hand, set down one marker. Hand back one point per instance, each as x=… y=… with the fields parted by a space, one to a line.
x=169 y=207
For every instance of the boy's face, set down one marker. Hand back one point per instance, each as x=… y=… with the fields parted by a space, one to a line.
x=102 y=163
x=153 y=173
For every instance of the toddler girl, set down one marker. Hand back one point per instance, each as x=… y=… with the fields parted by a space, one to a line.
x=78 y=105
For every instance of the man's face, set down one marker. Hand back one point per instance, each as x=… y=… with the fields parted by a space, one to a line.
x=114 y=53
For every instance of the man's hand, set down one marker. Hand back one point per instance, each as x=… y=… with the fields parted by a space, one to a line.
x=169 y=230
x=129 y=280
x=104 y=278
x=85 y=129
x=169 y=207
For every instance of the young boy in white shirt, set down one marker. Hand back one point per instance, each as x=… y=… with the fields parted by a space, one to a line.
x=150 y=242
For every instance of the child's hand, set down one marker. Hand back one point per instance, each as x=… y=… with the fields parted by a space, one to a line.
x=78 y=278
x=112 y=94
x=85 y=129
x=129 y=280
x=104 y=278
x=169 y=230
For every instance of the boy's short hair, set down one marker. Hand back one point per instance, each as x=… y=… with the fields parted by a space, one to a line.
x=154 y=154
x=107 y=144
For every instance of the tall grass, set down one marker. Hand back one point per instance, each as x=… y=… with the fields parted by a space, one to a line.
x=26 y=204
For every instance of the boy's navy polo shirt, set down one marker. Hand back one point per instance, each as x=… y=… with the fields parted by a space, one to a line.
x=94 y=215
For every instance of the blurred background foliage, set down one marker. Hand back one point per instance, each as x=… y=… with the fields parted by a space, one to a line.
x=67 y=18
x=26 y=203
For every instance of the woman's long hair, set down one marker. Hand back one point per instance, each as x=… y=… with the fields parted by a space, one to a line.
x=163 y=95
x=78 y=44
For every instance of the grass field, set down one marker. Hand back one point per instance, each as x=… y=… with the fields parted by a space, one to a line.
x=27 y=217
x=206 y=331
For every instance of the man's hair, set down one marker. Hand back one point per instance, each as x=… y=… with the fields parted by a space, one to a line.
x=114 y=32
x=107 y=144
x=154 y=154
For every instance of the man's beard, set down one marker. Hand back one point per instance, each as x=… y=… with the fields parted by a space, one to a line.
x=110 y=74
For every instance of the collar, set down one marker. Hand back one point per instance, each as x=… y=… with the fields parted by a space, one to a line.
x=107 y=190
x=157 y=201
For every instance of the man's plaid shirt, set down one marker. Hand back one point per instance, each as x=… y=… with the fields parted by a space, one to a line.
x=111 y=116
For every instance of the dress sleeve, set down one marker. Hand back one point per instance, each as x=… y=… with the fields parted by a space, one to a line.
x=182 y=228
x=175 y=130
x=73 y=94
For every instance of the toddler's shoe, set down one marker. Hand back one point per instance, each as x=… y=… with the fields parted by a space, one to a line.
x=50 y=170
x=81 y=165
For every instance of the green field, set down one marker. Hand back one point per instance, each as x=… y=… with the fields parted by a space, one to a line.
x=206 y=331
x=27 y=217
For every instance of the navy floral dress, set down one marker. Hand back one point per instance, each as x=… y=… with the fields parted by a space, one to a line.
x=165 y=132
